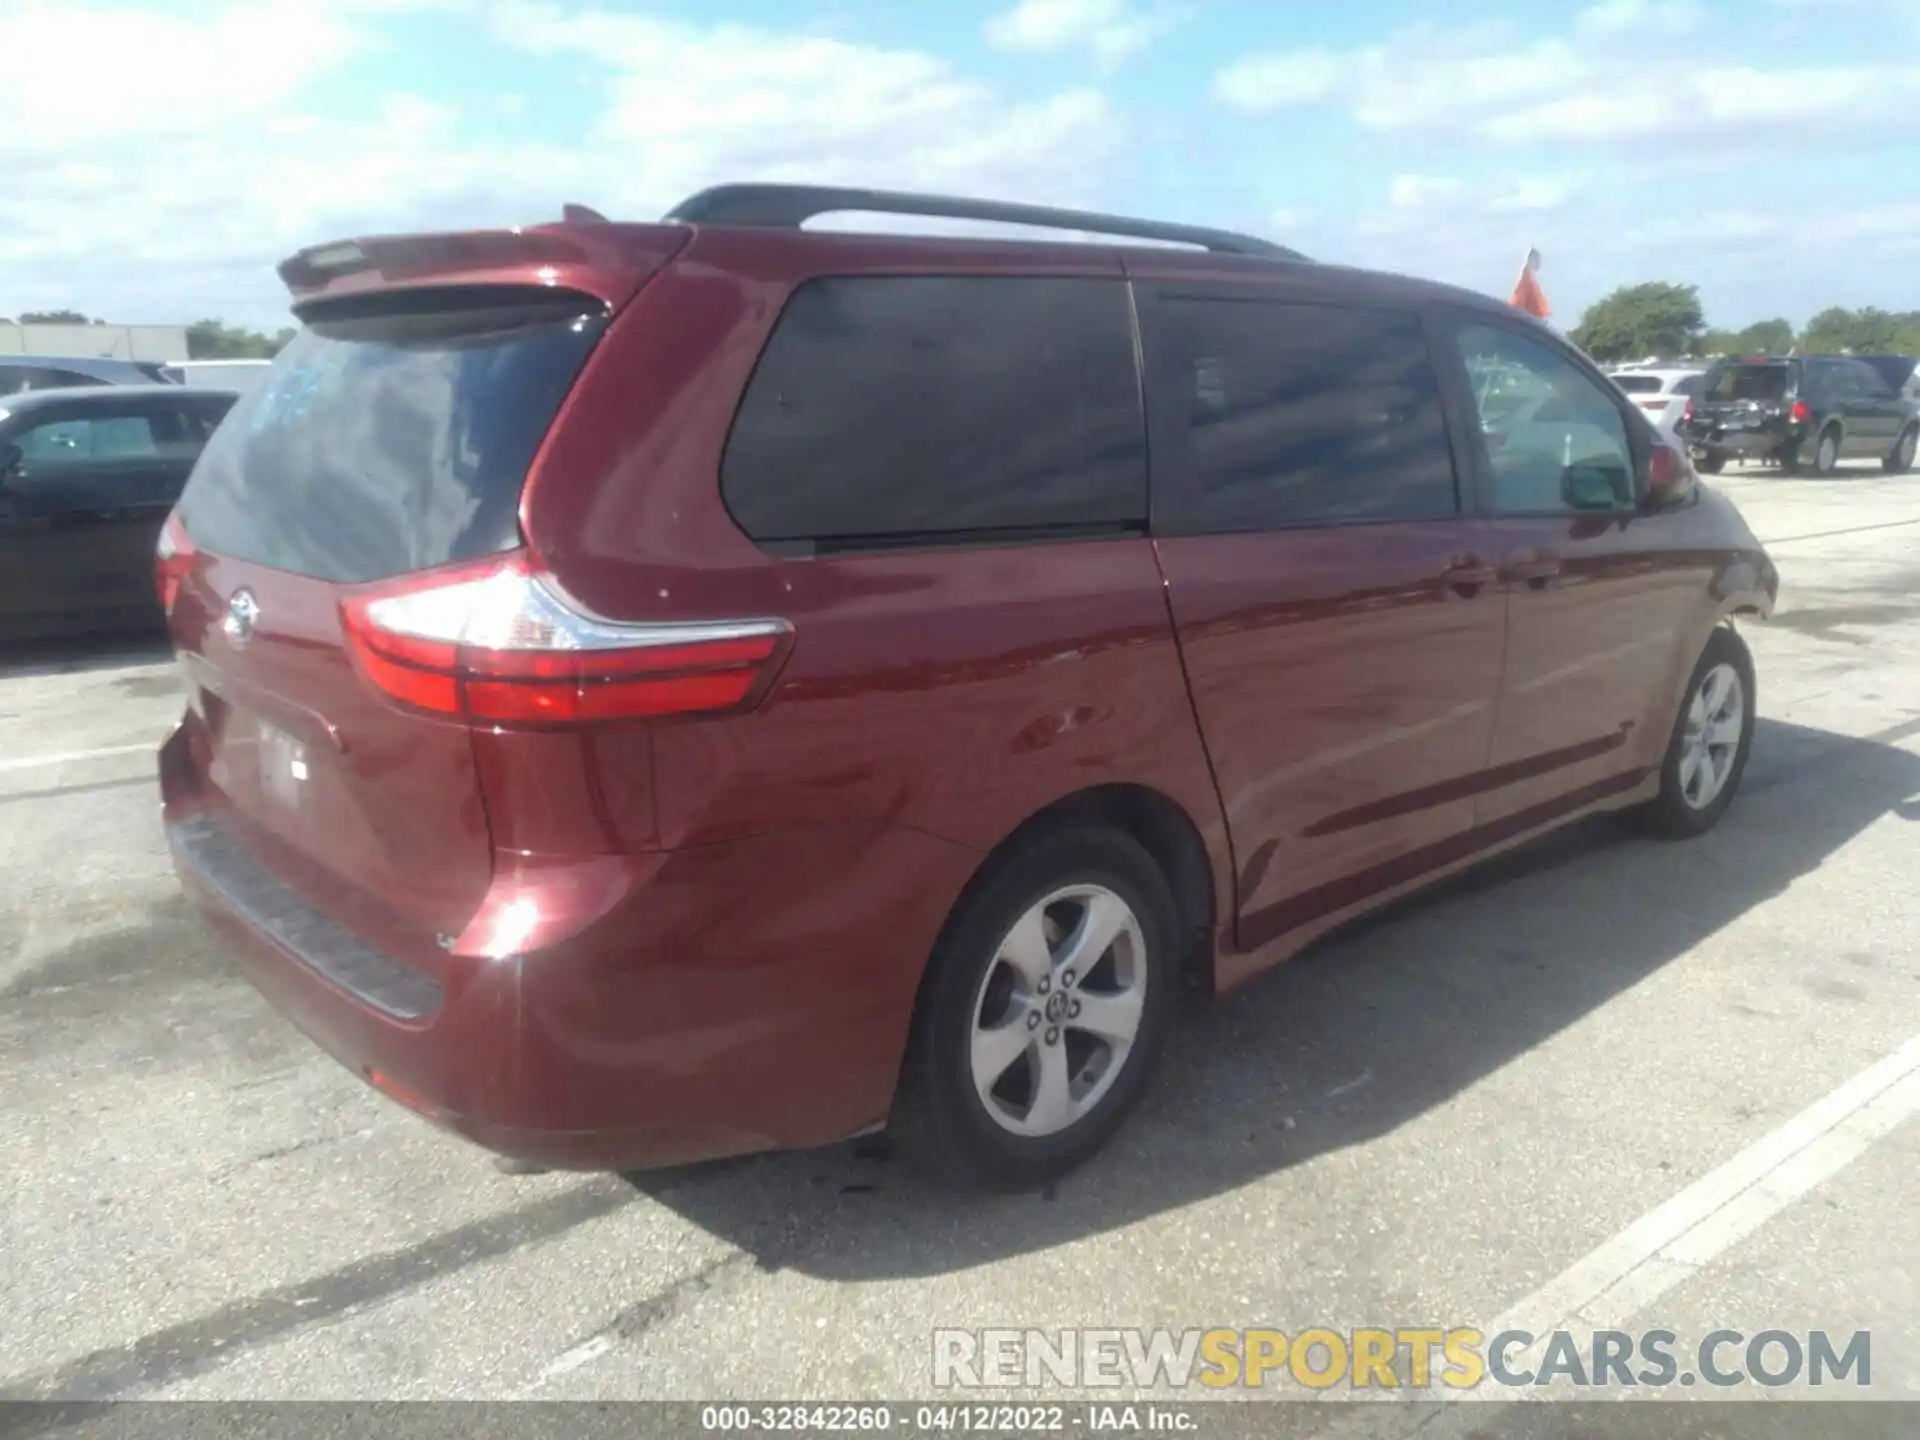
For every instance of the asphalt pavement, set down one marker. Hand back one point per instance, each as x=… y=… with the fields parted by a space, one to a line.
x=1632 y=1083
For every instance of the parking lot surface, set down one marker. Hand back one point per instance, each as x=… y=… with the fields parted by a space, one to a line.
x=1495 y=1101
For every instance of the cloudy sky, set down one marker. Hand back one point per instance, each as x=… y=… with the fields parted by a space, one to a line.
x=158 y=156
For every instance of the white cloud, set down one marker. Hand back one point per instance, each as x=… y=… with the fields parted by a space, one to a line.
x=690 y=105
x=1111 y=29
x=200 y=158
x=1275 y=82
x=1641 y=19
x=1616 y=76
x=1415 y=192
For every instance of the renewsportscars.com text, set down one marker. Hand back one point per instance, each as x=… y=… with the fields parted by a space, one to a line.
x=1405 y=1358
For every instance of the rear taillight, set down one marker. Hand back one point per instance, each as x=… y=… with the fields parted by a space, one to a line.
x=172 y=559
x=1686 y=415
x=1801 y=412
x=493 y=643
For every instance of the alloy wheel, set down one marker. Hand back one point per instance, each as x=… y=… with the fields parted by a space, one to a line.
x=1058 y=1011
x=1716 y=716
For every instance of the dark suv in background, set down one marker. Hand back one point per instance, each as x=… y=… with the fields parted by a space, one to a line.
x=1812 y=411
x=660 y=691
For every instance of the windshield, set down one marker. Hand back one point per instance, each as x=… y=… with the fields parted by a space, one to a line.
x=1638 y=384
x=391 y=442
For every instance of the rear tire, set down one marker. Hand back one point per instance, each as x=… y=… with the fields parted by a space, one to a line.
x=1002 y=1089
x=1712 y=463
x=1712 y=737
x=1826 y=452
x=1788 y=459
x=1900 y=460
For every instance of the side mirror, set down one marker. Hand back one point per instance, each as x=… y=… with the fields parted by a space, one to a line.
x=1670 y=478
x=1594 y=487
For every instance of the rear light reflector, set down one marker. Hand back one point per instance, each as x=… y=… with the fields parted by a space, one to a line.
x=172 y=559
x=1801 y=412
x=494 y=644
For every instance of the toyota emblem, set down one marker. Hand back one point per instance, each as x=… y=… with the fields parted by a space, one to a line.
x=243 y=613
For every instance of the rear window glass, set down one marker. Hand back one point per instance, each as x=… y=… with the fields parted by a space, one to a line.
x=389 y=440
x=906 y=409
x=1638 y=384
x=1746 y=382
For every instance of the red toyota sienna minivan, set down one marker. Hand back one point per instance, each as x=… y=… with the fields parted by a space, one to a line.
x=663 y=691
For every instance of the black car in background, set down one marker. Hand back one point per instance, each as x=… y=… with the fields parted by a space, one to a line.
x=1812 y=411
x=87 y=478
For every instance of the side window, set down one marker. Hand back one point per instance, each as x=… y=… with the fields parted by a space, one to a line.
x=1306 y=415
x=895 y=409
x=81 y=440
x=1867 y=382
x=1553 y=440
x=65 y=380
x=178 y=434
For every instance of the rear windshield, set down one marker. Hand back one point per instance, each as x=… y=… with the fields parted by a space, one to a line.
x=1638 y=384
x=1746 y=382
x=394 y=440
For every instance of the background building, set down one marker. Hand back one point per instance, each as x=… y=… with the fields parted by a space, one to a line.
x=98 y=342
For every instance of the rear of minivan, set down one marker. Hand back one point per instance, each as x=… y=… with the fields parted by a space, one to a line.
x=550 y=767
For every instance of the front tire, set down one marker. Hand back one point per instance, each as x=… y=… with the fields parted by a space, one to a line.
x=1043 y=1011
x=1900 y=460
x=1712 y=737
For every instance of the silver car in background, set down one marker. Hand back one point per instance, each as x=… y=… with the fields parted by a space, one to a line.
x=1661 y=391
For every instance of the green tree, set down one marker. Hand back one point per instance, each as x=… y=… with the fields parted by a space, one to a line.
x=215 y=340
x=1765 y=337
x=1654 y=318
x=54 y=317
x=1870 y=331
x=1717 y=342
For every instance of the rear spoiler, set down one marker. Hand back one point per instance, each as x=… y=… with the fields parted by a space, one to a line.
x=591 y=255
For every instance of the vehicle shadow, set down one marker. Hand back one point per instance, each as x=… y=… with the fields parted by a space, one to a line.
x=1356 y=1037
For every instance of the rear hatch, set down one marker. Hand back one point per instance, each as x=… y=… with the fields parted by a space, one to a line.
x=1745 y=395
x=392 y=436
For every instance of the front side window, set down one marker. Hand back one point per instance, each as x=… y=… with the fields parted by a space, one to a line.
x=904 y=409
x=1553 y=440
x=1306 y=415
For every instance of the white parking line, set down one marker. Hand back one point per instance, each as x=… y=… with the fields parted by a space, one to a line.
x=1675 y=1241
x=36 y=762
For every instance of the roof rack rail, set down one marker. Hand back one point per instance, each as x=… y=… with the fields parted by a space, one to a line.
x=791 y=206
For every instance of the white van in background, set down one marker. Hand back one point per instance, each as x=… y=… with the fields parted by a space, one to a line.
x=239 y=376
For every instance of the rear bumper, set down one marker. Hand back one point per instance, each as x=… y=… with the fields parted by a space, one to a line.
x=678 y=1007
x=1762 y=442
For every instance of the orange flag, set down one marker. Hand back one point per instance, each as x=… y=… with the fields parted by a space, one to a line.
x=1527 y=294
